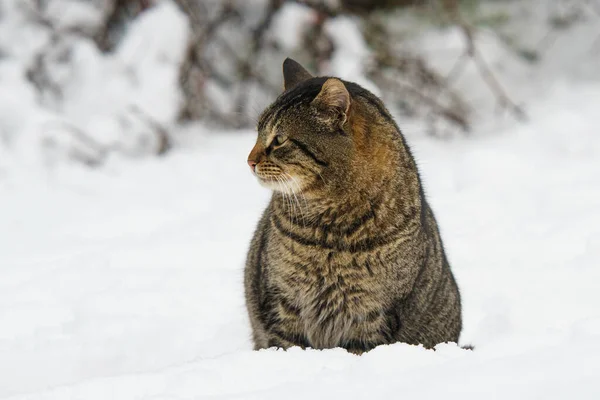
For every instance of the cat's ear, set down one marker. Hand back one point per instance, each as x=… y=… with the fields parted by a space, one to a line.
x=293 y=74
x=333 y=97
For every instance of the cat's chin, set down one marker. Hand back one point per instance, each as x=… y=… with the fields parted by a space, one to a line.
x=269 y=184
x=275 y=185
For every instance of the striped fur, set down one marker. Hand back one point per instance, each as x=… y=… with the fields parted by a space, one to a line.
x=348 y=252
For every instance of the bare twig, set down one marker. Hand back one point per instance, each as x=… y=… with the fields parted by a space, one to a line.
x=195 y=69
x=329 y=9
x=426 y=87
x=164 y=143
x=118 y=12
x=437 y=108
x=100 y=151
x=502 y=98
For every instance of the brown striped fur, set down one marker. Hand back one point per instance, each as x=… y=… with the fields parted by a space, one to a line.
x=348 y=252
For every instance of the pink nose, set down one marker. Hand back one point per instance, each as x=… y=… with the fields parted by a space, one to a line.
x=252 y=164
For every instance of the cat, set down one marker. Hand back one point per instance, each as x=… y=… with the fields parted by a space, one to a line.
x=348 y=252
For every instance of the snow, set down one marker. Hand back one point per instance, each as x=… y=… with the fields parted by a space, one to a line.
x=290 y=24
x=125 y=281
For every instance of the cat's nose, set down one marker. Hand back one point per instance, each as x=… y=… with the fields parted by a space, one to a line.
x=252 y=164
x=255 y=155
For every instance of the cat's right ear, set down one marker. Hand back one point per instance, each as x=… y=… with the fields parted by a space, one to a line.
x=333 y=99
x=293 y=74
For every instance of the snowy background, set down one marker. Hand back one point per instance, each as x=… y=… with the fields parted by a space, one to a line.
x=121 y=258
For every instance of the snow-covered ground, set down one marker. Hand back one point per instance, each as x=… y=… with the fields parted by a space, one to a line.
x=125 y=281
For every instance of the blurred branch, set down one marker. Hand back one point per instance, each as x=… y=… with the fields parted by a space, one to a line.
x=92 y=154
x=196 y=70
x=457 y=117
x=119 y=12
x=234 y=70
x=163 y=142
x=84 y=148
x=38 y=72
x=326 y=9
x=246 y=67
x=424 y=90
x=504 y=101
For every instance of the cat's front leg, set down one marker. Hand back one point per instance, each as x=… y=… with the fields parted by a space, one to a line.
x=285 y=339
x=373 y=329
x=359 y=347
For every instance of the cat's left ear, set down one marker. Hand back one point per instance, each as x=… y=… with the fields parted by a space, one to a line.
x=293 y=74
x=333 y=98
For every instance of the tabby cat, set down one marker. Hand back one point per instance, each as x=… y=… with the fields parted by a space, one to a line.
x=348 y=252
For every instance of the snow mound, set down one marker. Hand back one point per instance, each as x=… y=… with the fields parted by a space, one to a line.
x=62 y=99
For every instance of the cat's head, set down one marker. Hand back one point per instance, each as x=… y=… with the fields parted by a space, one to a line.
x=307 y=137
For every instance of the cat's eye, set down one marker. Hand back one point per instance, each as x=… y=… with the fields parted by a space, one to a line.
x=278 y=140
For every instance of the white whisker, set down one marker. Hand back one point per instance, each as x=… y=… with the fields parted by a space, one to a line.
x=290 y=192
x=297 y=189
x=283 y=189
x=323 y=179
